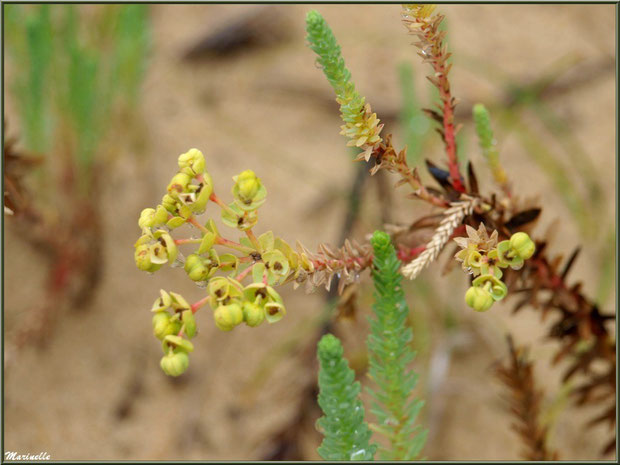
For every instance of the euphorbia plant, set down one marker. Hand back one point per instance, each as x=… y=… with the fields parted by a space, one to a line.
x=491 y=229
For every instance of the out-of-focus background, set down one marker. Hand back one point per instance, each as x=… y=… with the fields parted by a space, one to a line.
x=81 y=374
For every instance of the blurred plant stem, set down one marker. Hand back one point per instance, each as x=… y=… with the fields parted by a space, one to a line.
x=415 y=124
x=520 y=97
x=554 y=170
x=607 y=276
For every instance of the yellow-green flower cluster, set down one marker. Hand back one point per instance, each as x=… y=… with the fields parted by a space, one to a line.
x=174 y=325
x=265 y=260
x=484 y=257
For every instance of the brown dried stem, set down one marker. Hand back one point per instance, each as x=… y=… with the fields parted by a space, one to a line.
x=524 y=403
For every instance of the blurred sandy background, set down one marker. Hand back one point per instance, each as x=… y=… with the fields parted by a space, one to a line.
x=97 y=392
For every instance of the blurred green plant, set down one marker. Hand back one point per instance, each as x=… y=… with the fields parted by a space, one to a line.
x=73 y=73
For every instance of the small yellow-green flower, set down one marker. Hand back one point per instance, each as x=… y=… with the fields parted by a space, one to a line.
x=235 y=217
x=266 y=297
x=142 y=257
x=276 y=265
x=492 y=284
x=200 y=268
x=222 y=289
x=192 y=162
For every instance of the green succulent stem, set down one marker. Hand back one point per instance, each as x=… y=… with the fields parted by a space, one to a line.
x=324 y=44
x=346 y=434
x=389 y=357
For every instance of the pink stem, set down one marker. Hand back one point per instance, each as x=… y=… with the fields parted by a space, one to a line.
x=195 y=306
x=245 y=272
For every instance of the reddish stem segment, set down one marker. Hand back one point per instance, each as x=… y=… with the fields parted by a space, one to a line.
x=187 y=241
x=253 y=239
x=193 y=221
x=232 y=244
x=245 y=272
x=448 y=124
x=195 y=306
x=214 y=198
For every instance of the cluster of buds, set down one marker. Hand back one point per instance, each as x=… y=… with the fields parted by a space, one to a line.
x=266 y=261
x=174 y=325
x=484 y=257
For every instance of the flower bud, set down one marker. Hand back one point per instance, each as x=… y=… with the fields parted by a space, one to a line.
x=522 y=245
x=146 y=218
x=228 y=316
x=199 y=268
x=174 y=363
x=479 y=299
x=165 y=325
x=169 y=203
x=253 y=314
x=248 y=190
x=178 y=184
x=192 y=162
x=150 y=217
x=247 y=185
x=160 y=324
